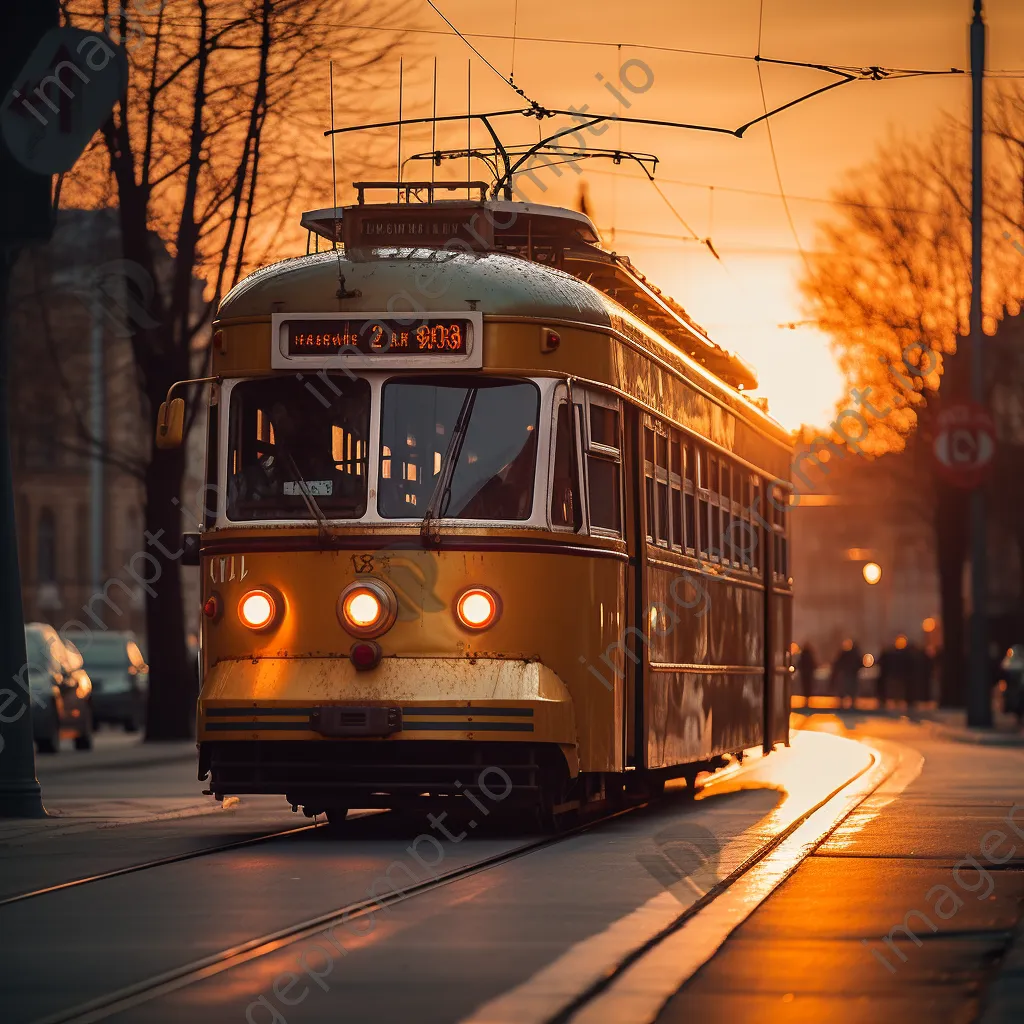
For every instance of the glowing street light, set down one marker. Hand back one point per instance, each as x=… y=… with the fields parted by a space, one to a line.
x=872 y=572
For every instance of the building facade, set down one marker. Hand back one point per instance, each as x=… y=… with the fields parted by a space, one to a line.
x=80 y=429
x=850 y=513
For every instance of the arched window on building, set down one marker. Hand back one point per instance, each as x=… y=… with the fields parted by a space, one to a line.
x=46 y=547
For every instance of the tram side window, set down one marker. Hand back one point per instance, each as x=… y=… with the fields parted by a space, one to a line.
x=714 y=497
x=690 y=496
x=675 y=479
x=703 y=501
x=746 y=530
x=759 y=539
x=563 y=483
x=604 y=460
x=779 y=517
x=725 y=499
x=649 y=481
x=662 y=524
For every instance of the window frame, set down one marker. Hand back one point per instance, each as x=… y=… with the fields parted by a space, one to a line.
x=377 y=379
x=780 y=533
x=603 y=452
x=676 y=455
x=659 y=477
x=560 y=397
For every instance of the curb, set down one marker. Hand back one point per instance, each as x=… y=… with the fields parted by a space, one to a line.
x=977 y=737
x=956 y=734
x=62 y=767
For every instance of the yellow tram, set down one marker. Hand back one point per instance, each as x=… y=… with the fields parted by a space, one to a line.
x=492 y=513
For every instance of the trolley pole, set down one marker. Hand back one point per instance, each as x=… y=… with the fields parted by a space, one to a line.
x=979 y=701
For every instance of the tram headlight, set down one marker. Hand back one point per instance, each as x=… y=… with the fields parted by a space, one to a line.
x=257 y=609
x=367 y=608
x=477 y=608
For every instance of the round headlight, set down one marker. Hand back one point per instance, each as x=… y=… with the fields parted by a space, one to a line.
x=477 y=608
x=257 y=609
x=367 y=608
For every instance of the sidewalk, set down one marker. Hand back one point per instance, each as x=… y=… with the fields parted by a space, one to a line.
x=114 y=750
x=944 y=723
x=891 y=919
x=121 y=781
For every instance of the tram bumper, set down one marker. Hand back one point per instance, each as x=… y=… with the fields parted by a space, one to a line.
x=324 y=733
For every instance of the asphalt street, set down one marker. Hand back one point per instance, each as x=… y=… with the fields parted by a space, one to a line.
x=772 y=894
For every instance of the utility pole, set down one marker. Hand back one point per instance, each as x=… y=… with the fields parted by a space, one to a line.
x=979 y=700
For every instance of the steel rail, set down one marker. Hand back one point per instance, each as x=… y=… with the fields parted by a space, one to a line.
x=216 y=963
x=149 y=864
x=597 y=988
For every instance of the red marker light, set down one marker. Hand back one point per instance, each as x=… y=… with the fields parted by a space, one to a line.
x=365 y=655
x=211 y=607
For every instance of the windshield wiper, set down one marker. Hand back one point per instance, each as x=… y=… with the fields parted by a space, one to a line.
x=322 y=536
x=442 y=493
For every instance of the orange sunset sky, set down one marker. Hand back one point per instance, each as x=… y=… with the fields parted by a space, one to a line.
x=723 y=187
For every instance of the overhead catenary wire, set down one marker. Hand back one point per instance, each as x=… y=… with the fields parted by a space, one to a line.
x=515 y=26
x=778 y=195
x=771 y=143
x=507 y=81
x=140 y=16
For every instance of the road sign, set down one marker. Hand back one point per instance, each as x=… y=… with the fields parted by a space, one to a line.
x=965 y=444
x=60 y=98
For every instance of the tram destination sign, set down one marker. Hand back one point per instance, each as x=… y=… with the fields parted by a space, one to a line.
x=426 y=226
x=368 y=340
x=377 y=337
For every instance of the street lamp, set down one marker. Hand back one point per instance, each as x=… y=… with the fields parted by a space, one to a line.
x=872 y=572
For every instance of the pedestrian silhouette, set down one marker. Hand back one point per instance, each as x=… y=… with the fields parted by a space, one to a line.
x=806 y=666
x=846 y=672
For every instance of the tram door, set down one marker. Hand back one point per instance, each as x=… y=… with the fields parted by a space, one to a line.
x=778 y=613
x=635 y=740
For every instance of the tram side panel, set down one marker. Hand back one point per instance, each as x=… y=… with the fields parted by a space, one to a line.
x=704 y=691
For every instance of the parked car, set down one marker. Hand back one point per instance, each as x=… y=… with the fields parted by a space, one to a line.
x=61 y=689
x=120 y=679
x=1012 y=674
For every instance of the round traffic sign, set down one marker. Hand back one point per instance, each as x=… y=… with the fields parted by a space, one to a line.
x=965 y=443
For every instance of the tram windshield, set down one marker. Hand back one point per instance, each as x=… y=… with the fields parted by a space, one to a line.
x=494 y=457
x=295 y=448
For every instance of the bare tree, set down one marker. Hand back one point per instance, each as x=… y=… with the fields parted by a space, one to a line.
x=211 y=150
x=891 y=284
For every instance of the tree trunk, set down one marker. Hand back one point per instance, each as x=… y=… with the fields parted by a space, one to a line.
x=173 y=684
x=951 y=551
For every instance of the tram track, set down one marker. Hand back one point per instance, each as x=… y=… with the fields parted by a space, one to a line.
x=163 y=984
x=875 y=773
x=191 y=973
x=159 y=862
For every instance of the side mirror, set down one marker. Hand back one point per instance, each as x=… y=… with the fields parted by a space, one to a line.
x=170 y=423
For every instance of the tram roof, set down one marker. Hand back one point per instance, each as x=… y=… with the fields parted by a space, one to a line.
x=427 y=281
x=421 y=279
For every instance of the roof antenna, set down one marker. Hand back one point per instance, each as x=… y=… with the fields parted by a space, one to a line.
x=343 y=292
x=433 y=135
x=401 y=61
